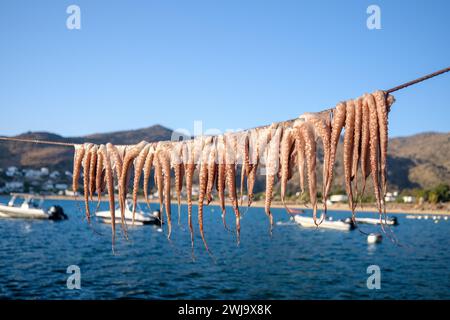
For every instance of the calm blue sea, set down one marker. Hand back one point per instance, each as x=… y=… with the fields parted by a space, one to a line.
x=295 y=263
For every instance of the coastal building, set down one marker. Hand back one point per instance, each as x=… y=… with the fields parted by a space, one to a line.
x=409 y=199
x=14 y=186
x=11 y=171
x=335 y=198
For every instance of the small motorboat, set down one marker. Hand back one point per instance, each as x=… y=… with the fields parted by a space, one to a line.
x=140 y=217
x=308 y=222
x=374 y=238
x=30 y=208
x=392 y=221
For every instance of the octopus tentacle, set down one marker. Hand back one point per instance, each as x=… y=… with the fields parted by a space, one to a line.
x=348 y=152
x=339 y=115
x=212 y=170
x=86 y=170
x=285 y=153
x=164 y=162
x=92 y=170
x=77 y=163
x=178 y=168
x=357 y=144
x=221 y=176
x=374 y=148
x=110 y=187
x=138 y=167
x=189 y=167
x=203 y=181
x=230 y=177
x=147 y=170
x=365 y=140
x=99 y=175
x=271 y=170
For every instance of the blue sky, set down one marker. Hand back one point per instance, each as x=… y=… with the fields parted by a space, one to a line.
x=232 y=64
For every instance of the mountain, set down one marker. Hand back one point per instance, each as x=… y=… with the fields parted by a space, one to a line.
x=418 y=161
x=61 y=158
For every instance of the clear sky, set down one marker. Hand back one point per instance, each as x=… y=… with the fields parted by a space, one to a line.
x=230 y=63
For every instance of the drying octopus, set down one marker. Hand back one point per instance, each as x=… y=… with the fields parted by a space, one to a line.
x=274 y=151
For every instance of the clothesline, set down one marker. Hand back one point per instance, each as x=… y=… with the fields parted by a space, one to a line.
x=397 y=88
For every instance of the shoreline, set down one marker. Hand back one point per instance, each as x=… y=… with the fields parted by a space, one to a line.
x=394 y=208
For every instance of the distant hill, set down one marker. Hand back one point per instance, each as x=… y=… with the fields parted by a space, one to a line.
x=61 y=158
x=419 y=161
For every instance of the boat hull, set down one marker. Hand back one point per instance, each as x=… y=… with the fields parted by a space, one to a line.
x=334 y=225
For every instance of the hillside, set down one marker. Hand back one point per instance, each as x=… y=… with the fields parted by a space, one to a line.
x=419 y=161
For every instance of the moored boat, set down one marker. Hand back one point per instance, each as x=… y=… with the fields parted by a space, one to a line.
x=140 y=218
x=308 y=222
x=392 y=221
x=32 y=207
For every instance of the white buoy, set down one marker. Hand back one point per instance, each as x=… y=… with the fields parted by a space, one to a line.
x=425 y=217
x=445 y=218
x=419 y=217
x=374 y=238
x=436 y=221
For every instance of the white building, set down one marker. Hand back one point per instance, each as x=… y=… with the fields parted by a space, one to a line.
x=14 y=186
x=61 y=186
x=55 y=175
x=32 y=174
x=11 y=171
x=338 y=198
x=45 y=171
x=391 y=196
x=409 y=199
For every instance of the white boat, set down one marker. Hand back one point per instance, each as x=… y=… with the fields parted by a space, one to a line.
x=140 y=217
x=374 y=238
x=392 y=221
x=30 y=208
x=308 y=222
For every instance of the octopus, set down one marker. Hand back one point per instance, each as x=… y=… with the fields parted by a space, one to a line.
x=339 y=115
x=382 y=115
x=253 y=164
x=322 y=128
x=287 y=143
x=212 y=170
x=130 y=155
x=178 y=168
x=138 y=167
x=271 y=170
x=305 y=130
x=230 y=178
x=374 y=148
x=99 y=175
x=243 y=158
x=203 y=181
x=348 y=152
x=189 y=168
x=356 y=144
x=221 y=175
x=164 y=163
x=159 y=182
x=77 y=163
x=365 y=138
x=86 y=174
x=300 y=149
x=110 y=187
x=92 y=170
x=147 y=170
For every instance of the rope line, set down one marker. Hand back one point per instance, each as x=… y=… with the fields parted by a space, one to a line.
x=397 y=88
